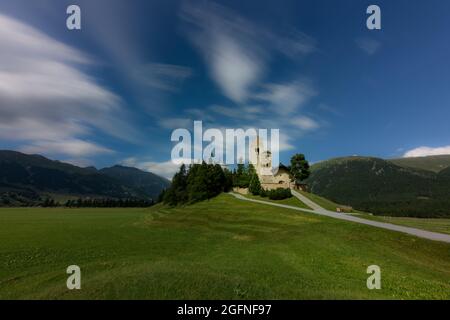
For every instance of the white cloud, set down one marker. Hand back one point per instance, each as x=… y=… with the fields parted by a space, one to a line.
x=234 y=67
x=286 y=98
x=71 y=147
x=369 y=46
x=304 y=123
x=236 y=51
x=427 y=151
x=45 y=101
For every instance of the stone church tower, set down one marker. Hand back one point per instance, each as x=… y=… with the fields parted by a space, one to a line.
x=262 y=161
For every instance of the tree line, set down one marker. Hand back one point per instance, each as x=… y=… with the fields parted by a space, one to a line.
x=204 y=181
x=99 y=203
x=109 y=203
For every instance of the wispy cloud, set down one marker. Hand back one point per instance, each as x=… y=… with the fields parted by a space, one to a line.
x=46 y=101
x=286 y=98
x=236 y=50
x=304 y=123
x=162 y=76
x=369 y=46
x=71 y=147
x=426 y=151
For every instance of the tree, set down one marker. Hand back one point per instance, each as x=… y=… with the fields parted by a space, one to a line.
x=299 y=168
x=177 y=192
x=255 y=185
x=228 y=185
x=201 y=182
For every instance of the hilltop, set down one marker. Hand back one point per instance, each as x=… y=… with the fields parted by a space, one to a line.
x=430 y=163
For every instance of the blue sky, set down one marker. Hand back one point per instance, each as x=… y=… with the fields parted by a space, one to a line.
x=114 y=91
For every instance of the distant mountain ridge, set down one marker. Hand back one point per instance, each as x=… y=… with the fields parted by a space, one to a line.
x=384 y=187
x=26 y=179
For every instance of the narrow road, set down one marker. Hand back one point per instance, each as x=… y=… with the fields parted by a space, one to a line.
x=306 y=201
x=321 y=211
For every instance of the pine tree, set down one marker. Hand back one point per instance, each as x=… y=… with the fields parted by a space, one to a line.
x=255 y=185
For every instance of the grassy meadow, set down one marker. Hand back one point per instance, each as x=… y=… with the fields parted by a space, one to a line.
x=293 y=201
x=219 y=249
x=440 y=225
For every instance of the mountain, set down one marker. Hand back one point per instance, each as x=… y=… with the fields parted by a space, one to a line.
x=26 y=179
x=431 y=163
x=382 y=187
x=141 y=181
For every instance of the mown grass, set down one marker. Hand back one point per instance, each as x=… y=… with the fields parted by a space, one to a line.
x=293 y=201
x=219 y=249
x=323 y=202
x=432 y=224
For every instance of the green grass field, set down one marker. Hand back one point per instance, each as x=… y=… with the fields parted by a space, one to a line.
x=324 y=203
x=436 y=225
x=293 y=201
x=219 y=249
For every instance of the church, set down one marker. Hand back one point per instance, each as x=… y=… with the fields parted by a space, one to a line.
x=262 y=161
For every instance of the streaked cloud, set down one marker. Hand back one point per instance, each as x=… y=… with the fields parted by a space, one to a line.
x=236 y=50
x=427 y=151
x=162 y=76
x=286 y=98
x=55 y=105
x=304 y=123
x=71 y=147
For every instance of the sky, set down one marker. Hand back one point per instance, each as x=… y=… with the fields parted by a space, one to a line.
x=114 y=91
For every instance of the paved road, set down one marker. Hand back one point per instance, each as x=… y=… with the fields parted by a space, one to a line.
x=321 y=211
x=306 y=201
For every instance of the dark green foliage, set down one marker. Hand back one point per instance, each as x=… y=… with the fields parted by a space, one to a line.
x=161 y=196
x=381 y=187
x=242 y=176
x=177 y=191
x=201 y=182
x=109 y=203
x=263 y=193
x=255 y=185
x=228 y=185
x=278 y=194
x=299 y=168
x=49 y=202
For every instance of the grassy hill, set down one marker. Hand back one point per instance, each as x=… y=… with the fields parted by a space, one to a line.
x=382 y=187
x=26 y=179
x=218 y=249
x=431 y=163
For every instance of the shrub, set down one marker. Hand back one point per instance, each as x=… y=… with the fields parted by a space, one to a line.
x=279 y=194
x=263 y=193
